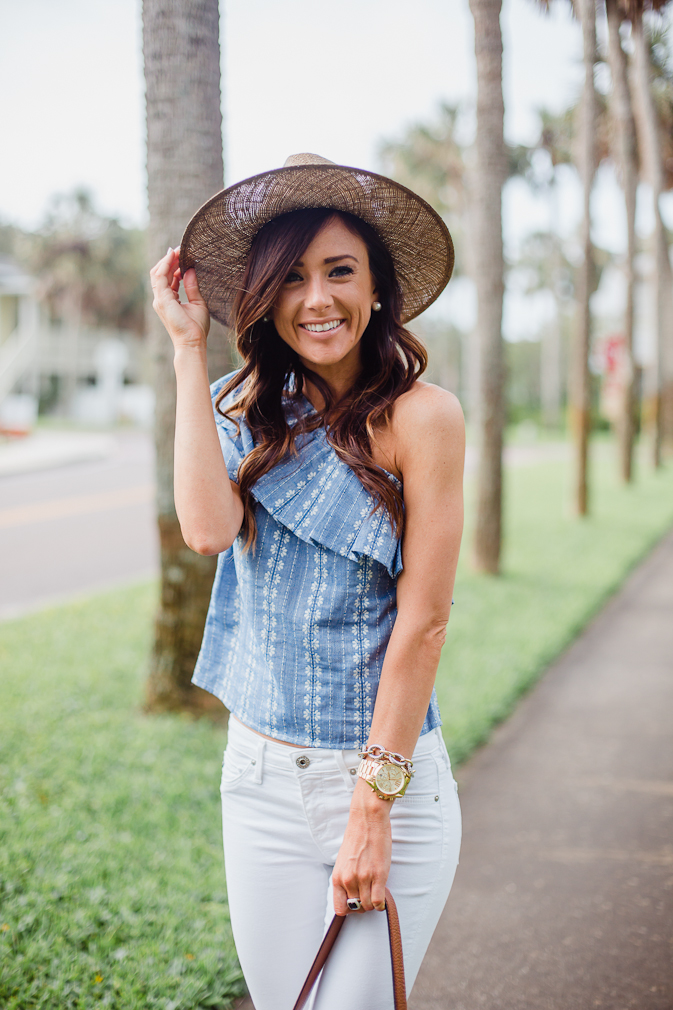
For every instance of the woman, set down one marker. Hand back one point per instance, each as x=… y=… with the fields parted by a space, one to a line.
x=328 y=478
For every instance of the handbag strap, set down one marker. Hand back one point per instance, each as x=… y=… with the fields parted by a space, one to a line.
x=396 y=957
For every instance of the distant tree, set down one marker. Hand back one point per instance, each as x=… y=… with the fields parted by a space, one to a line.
x=545 y=267
x=543 y=256
x=430 y=159
x=184 y=168
x=87 y=264
x=490 y=172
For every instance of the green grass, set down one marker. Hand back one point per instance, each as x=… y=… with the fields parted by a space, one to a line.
x=111 y=879
x=557 y=571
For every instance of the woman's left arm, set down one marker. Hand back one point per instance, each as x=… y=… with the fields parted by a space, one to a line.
x=429 y=437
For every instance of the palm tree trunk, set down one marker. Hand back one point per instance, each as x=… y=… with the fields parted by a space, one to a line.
x=184 y=167
x=651 y=147
x=626 y=157
x=580 y=399
x=489 y=177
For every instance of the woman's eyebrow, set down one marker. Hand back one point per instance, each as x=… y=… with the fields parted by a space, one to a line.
x=333 y=259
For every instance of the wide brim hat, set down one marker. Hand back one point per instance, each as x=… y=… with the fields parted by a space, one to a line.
x=218 y=238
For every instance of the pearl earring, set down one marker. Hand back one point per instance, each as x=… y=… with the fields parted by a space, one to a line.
x=376 y=307
x=267 y=319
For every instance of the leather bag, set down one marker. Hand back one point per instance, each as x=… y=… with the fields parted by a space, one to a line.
x=395 y=937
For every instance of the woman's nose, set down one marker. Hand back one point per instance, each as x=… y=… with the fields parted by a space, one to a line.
x=317 y=296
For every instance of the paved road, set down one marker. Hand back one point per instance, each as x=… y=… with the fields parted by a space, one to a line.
x=564 y=896
x=77 y=528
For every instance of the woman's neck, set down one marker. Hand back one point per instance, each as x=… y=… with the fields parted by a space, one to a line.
x=340 y=378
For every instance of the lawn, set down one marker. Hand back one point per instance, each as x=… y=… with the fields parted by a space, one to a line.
x=111 y=878
x=111 y=883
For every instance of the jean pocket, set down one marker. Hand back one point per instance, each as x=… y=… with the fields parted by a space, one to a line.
x=235 y=768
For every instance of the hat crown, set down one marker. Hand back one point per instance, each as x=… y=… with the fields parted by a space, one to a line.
x=306 y=159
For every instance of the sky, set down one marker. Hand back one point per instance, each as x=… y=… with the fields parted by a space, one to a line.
x=297 y=75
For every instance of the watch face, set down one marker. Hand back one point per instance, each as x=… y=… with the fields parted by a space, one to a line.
x=389 y=779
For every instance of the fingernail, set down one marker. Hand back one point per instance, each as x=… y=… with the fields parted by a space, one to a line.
x=169 y=251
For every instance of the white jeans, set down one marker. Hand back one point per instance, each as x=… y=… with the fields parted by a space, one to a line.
x=284 y=813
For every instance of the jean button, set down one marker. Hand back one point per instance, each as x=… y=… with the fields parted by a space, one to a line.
x=302 y=761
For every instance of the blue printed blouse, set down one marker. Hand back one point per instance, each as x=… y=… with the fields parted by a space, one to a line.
x=297 y=630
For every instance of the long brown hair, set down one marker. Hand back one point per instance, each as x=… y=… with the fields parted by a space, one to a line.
x=272 y=372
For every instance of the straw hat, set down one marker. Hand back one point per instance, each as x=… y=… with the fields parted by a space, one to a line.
x=217 y=240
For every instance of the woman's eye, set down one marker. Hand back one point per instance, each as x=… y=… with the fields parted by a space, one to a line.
x=292 y=277
x=342 y=271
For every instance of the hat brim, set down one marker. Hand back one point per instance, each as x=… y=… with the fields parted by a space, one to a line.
x=217 y=240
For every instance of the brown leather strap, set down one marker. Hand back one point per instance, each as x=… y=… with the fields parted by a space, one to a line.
x=397 y=959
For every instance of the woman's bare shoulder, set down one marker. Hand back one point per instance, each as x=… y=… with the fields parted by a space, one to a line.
x=426 y=409
x=423 y=417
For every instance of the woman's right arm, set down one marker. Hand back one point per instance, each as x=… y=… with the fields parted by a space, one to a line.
x=208 y=504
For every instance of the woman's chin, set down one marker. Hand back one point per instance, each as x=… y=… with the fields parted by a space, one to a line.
x=325 y=356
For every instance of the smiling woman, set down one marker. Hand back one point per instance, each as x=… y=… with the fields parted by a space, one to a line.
x=328 y=478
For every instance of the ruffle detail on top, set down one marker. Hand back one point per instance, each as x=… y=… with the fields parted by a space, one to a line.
x=315 y=495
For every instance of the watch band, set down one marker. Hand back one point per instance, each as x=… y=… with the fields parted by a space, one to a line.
x=378 y=773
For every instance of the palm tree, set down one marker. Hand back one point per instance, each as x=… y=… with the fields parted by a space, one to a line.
x=184 y=167
x=580 y=392
x=661 y=51
x=489 y=177
x=652 y=148
x=625 y=154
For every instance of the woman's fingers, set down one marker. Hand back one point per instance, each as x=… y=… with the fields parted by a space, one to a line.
x=162 y=273
x=191 y=286
x=187 y=323
x=369 y=891
x=378 y=895
x=340 y=897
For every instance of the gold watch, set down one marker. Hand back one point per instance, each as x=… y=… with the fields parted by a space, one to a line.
x=388 y=780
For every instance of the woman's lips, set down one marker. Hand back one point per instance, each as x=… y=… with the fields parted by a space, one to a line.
x=328 y=326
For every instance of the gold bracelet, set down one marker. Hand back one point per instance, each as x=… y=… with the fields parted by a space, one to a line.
x=376 y=753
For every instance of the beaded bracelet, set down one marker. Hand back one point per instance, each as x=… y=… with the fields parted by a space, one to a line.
x=377 y=753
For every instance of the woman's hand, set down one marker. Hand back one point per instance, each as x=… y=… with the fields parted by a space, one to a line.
x=187 y=324
x=363 y=863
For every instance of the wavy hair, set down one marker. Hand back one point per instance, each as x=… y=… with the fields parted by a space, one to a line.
x=273 y=375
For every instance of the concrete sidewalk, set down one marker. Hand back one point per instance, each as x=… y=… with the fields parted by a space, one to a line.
x=564 y=896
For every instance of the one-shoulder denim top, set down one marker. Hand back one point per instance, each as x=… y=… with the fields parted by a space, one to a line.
x=297 y=629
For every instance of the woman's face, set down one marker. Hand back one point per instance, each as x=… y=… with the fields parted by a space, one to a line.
x=326 y=301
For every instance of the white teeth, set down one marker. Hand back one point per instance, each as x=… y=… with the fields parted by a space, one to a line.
x=321 y=327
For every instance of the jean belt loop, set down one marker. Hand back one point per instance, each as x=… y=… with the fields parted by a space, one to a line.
x=259 y=764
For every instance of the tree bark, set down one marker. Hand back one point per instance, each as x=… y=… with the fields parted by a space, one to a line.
x=184 y=168
x=649 y=137
x=489 y=177
x=626 y=157
x=580 y=398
